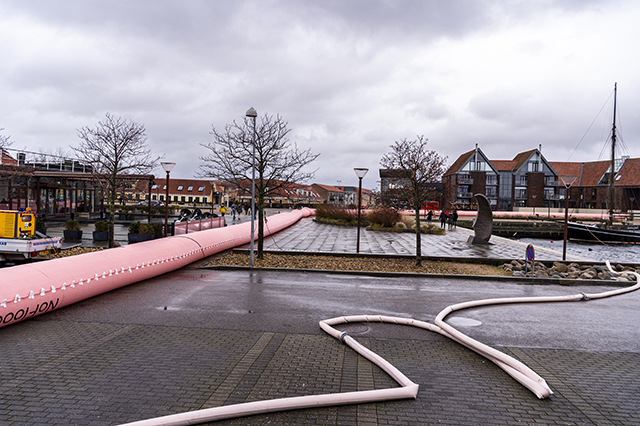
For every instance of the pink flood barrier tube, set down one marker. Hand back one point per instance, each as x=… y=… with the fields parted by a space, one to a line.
x=36 y=288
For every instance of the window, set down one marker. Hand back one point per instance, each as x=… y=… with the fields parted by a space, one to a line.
x=492 y=179
x=154 y=186
x=521 y=180
x=154 y=197
x=180 y=188
x=532 y=166
x=182 y=199
x=465 y=178
x=162 y=198
x=191 y=199
x=190 y=188
x=549 y=193
x=200 y=189
x=521 y=193
x=175 y=198
x=197 y=199
x=204 y=199
x=164 y=188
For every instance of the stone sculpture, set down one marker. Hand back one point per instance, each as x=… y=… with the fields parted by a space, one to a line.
x=483 y=223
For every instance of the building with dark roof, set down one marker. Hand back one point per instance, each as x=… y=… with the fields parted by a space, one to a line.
x=529 y=180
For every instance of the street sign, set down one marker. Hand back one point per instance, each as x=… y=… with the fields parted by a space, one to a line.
x=530 y=253
x=530 y=258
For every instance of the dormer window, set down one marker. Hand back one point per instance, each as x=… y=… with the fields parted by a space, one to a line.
x=201 y=189
x=180 y=188
x=190 y=188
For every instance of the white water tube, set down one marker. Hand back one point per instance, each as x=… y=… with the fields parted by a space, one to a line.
x=408 y=389
x=36 y=288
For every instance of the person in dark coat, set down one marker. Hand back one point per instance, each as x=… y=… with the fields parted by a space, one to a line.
x=443 y=219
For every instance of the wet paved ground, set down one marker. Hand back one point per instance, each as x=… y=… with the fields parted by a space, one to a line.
x=317 y=237
x=199 y=338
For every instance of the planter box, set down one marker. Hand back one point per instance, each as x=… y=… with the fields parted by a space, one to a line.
x=136 y=238
x=72 y=235
x=100 y=236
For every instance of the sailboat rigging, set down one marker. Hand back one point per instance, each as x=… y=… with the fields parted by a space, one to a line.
x=583 y=232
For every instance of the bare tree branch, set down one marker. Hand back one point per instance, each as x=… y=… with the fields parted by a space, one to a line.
x=115 y=148
x=5 y=141
x=278 y=161
x=418 y=168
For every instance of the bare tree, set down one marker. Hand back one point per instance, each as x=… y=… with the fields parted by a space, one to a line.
x=5 y=141
x=278 y=162
x=115 y=148
x=420 y=168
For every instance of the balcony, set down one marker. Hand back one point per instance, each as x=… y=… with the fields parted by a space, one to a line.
x=465 y=181
x=464 y=195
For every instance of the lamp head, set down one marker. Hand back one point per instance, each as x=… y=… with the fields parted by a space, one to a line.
x=251 y=112
x=168 y=166
x=360 y=172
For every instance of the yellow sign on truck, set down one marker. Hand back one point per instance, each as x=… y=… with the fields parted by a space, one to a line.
x=17 y=224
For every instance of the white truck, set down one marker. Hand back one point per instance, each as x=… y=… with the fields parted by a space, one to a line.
x=19 y=240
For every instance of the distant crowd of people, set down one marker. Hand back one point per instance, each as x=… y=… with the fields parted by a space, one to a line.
x=447 y=218
x=236 y=209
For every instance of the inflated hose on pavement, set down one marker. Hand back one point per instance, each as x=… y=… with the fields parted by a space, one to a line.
x=408 y=389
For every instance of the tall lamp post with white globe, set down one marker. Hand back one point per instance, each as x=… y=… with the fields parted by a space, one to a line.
x=360 y=172
x=251 y=112
x=167 y=168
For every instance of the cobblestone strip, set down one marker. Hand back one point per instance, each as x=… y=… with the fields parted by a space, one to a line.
x=367 y=414
x=54 y=364
x=225 y=389
x=558 y=386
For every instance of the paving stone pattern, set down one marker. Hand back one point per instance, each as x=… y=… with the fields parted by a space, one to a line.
x=312 y=236
x=102 y=374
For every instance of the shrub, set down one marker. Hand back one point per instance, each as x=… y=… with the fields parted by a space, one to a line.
x=327 y=211
x=101 y=226
x=72 y=225
x=157 y=229
x=147 y=229
x=134 y=228
x=400 y=225
x=384 y=216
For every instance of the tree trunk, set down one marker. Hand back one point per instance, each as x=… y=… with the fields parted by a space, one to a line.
x=260 y=226
x=112 y=215
x=418 y=238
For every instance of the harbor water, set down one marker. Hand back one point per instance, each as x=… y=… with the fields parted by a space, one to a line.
x=615 y=253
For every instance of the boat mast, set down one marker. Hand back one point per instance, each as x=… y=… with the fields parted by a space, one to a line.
x=613 y=157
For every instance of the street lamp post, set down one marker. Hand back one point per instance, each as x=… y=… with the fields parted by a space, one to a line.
x=534 y=203
x=151 y=183
x=251 y=112
x=566 y=217
x=167 y=168
x=360 y=172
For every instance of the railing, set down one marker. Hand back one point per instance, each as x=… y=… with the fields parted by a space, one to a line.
x=464 y=194
x=465 y=181
x=181 y=228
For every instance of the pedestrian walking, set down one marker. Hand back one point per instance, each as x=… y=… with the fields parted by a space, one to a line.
x=443 y=219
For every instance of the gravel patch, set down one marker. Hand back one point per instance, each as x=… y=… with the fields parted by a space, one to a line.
x=364 y=264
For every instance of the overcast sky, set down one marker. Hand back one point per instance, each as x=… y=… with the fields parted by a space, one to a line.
x=350 y=77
